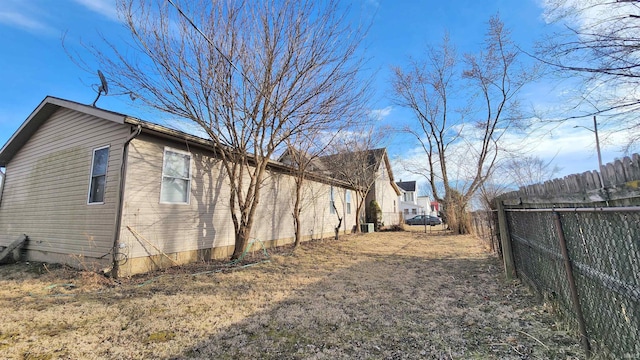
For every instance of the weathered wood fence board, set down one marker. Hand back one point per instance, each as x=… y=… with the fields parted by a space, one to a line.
x=620 y=185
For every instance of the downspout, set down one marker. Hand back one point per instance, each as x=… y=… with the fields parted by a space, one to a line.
x=120 y=202
x=3 y=177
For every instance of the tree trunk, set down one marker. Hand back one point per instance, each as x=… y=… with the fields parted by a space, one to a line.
x=296 y=214
x=458 y=219
x=241 y=241
x=359 y=203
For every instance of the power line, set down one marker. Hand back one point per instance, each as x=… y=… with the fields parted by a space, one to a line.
x=224 y=56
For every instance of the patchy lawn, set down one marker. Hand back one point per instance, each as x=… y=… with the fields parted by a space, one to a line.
x=394 y=295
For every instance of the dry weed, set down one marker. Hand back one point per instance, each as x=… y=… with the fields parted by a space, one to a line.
x=393 y=295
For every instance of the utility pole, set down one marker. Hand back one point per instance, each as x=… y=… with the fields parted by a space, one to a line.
x=595 y=131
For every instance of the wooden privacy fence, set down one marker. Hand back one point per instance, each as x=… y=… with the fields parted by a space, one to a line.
x=576 y=241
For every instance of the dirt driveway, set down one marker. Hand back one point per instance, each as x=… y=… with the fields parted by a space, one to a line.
x=394 y=295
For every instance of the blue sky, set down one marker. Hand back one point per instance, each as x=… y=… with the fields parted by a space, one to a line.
x=33 y=63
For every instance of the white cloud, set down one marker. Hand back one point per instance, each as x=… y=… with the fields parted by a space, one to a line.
x=587 y=13
x=106 y=8
x=373 y=3
x=22 y=21
x=380 y=114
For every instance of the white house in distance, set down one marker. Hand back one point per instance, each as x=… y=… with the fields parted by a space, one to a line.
x=431 y=207
x=409 y=205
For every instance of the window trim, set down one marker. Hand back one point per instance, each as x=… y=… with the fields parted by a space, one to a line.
x=162 y=176
x=93 y=158
x=347 y=199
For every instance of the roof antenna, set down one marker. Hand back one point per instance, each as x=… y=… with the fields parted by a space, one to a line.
x=103 y=87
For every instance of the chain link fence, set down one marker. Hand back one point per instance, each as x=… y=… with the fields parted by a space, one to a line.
x=603 y=247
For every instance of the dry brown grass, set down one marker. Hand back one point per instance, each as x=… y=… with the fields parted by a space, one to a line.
x=395 y=295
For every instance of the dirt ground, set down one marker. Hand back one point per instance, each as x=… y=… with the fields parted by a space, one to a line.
x=391 y=295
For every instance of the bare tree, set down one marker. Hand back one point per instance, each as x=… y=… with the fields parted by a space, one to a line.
x=355 y=160
x=251 y=74
x=489 y=191
x=528 y=170
x=462 y=143
x=512 y=173
x=598 y=44
x=302 y=155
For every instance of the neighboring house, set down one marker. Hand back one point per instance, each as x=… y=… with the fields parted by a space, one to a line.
x=435 y=208
x=384 y=190
x=409 y=206
x=98 y=189
x=377 y=168
x=370 y=166
x=431 y=207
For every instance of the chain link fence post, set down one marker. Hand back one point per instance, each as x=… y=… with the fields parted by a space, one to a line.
x=575 y=299
x=505 y=240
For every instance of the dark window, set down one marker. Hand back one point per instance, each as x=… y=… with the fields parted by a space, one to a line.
x=98 y=175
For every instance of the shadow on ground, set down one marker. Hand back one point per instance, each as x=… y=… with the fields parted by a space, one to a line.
x=397 y=307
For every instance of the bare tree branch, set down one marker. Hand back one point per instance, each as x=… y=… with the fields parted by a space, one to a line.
x=467 y=139
x=249 y=74
x=599 y=46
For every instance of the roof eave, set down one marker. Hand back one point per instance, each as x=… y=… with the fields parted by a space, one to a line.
x=41 y=113
x=171 y=134
x=390 y=172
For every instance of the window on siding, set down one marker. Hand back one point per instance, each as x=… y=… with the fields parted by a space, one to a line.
x=406 y=211
x=98 y=175
x=348 y=200
x=414 y=211
x=332 y=203
x=408 y=196
x=176 y=177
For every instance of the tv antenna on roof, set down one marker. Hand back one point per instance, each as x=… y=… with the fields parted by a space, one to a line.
x=103 y=87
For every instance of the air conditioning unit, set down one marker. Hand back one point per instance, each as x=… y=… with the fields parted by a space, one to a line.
x=367 y=228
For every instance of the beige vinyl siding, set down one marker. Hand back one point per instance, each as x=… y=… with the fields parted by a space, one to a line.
x=202 y=223
x=205 y=222
x=349 y=220
x=47 y=184
x=386 y=195
x=274 y=219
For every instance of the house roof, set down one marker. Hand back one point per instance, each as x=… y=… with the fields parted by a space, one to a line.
x=407 y=185
x=51 y=104
x=41 y=113
x=291 y=156
x=375 y=157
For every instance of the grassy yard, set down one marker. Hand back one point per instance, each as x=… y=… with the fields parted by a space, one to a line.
x=393 y=295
